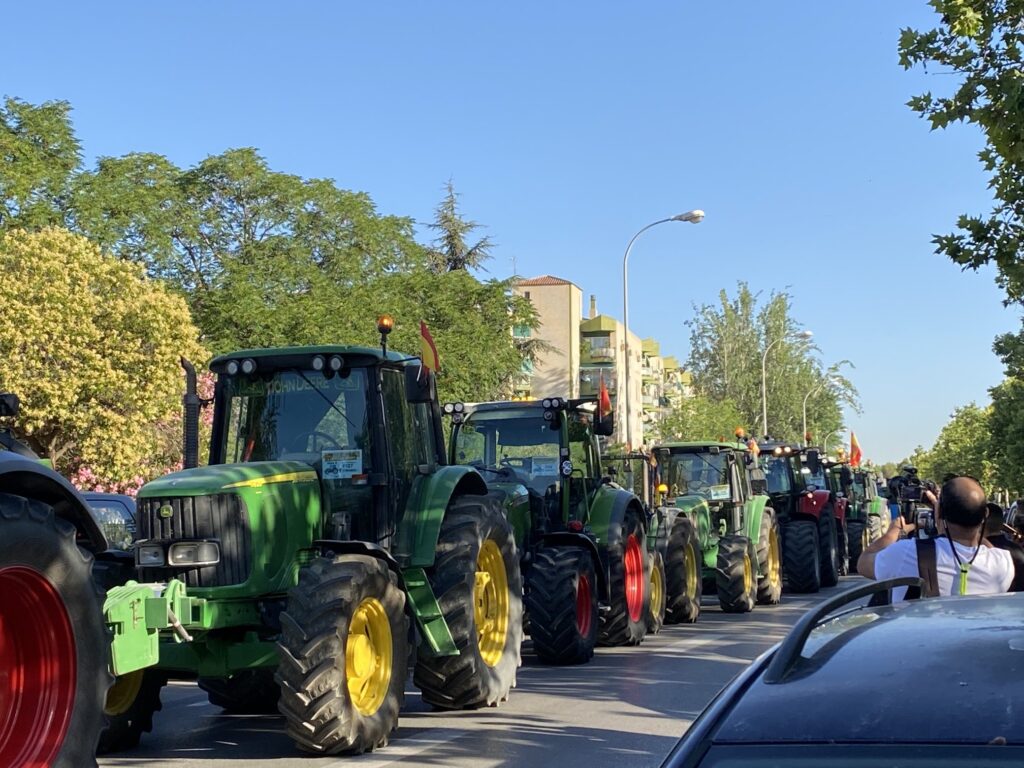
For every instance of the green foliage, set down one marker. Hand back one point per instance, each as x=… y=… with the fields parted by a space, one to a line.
x=1007 y=437
x=450 y=251
x=727 y=342
x=91 y=346
x=703 y=418
x=964 y=446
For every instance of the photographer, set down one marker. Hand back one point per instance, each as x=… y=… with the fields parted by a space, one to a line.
x=957 y=562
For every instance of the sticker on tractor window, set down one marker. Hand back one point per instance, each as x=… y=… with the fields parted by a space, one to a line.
x=719 y=492
x=342 y=465
x=545 y=466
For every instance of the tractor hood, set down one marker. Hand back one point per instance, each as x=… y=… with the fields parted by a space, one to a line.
x=691 y=503
x=217 y=478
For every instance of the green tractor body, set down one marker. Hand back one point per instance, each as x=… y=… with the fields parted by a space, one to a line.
x=714 y=505
x=868 y=514
x=582 y=537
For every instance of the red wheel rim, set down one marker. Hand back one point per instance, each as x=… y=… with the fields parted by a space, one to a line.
x=37 y=669
x=634 y=578
x=584 y=607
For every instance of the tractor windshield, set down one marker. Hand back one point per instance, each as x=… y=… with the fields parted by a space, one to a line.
x=297 y=415
x=696 y=473
x=776 y=470
x=513 y=440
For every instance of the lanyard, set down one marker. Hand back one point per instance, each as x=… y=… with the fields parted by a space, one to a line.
x=964 y=567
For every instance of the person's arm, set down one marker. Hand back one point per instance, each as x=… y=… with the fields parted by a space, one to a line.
x=866 y=562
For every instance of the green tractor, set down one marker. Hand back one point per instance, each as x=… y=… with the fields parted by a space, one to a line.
x=867 y=514
x=325 y=548
x=583 y=539
x=722 y=532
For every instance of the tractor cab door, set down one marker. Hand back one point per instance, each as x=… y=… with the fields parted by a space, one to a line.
x=585 y=458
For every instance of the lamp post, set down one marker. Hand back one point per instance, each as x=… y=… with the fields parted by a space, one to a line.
x=764 y=374
x=693 y=217
x=824 y=383
x=824 y=446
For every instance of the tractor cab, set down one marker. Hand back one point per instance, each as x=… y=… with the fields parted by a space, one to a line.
x=715 y=473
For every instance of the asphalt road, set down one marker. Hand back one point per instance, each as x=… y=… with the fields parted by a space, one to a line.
x=627 y=707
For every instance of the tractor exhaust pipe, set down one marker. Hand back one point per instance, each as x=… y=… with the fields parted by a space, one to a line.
x=190 y=440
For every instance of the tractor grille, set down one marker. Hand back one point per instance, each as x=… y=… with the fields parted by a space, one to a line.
x=222 y=517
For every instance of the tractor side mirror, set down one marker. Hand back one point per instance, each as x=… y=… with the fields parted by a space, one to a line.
x=604 y=426
x=814 y=462
x=420 y=386
x=9 y=404
x=758 y=481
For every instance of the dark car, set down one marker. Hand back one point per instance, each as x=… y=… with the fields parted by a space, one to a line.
x=115 y=513
x=936 y=682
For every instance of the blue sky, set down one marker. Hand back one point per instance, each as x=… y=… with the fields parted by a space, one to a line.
x=568 y=126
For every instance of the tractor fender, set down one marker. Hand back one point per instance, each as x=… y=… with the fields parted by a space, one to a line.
x=753 y=511
x=607 y=513
x=812 y=502
x=699 y=513
x=336 y=547
x=429 y=497
x=841 y=506
x=584 y=542
x=33 y=480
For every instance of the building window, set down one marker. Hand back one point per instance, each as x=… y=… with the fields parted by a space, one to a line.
x=527 y=295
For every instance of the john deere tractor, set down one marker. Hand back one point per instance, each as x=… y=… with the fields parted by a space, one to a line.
x=326 y=535
x=867 y=514
x=721 y=528
x=811 y=515
x=582 y=538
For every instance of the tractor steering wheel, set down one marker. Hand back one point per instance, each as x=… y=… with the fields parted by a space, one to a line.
x=303 y=438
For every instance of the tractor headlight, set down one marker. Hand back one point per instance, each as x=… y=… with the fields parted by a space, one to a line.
x=232 y=368
x=318 y=363
x=546 y=402
x=449 y=408
x=336 y=363
x=248 y=366
x=193 y=553
x=149 y=556
x=459 y=407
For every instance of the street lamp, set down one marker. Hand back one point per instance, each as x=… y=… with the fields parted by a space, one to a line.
x=824 y=383
x=764 y=374
x=693 y=217
x=824 y=446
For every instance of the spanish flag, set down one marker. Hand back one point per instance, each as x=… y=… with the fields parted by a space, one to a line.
x=855 y=454
x=604 y=401
x=428 y=351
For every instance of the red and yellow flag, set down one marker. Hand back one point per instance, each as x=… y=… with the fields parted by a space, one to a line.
x=604 y=400
x=428 y=351
x=855 y=454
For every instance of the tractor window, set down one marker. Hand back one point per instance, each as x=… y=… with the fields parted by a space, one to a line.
x=517 y=441
x=776 y=470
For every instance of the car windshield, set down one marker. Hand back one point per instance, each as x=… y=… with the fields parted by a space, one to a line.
x=517 y=440
x=695 y=473
x=298 y=416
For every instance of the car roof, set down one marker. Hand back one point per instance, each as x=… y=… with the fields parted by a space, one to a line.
x=938 y=670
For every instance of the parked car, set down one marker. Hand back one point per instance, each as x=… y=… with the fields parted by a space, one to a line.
x=932 y=682
x=115 y=513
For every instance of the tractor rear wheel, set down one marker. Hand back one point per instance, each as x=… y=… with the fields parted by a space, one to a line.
x=626 y=622
x=134 y=698
x=801 y=556
x=736 y=574
x=683 y=582
x=54 y=646
x=860 y=536
x=769 y=558
x=253 y=692
x=829 y=544
x=562 y=604
x=344 y=655
x=477 y=582
x=656 y=606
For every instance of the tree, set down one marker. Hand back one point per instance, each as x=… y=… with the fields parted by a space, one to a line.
x=1007 y=437
x=91 y=346
x=702 y=418
x=450 y=251
x=964 y=447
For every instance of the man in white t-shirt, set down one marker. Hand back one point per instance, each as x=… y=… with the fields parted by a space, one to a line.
x=962 y=557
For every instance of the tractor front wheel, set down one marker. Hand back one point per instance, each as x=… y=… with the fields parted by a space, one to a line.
x=562 y=604
x=253 y=692
x=828 y=540
x=683 y=577
x=860 y=537
x=656 y=607
x=54 y=646
x=344 y=655
x=736 y=574
x=477 y=582
x=801 y=556
x=769 y=558
x=626 y=621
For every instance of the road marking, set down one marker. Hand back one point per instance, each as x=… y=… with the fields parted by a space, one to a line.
x=402 y=748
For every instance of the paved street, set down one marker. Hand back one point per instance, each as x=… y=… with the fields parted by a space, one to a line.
x=626 y=708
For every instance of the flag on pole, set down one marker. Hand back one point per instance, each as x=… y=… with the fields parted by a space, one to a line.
x=754 y=447
x=604 y=400
x=855 y=454
x=428 y=351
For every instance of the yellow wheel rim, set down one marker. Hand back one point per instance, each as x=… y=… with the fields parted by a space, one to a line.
x=491 y=603
x=865 y=539
x=657 y=592
x=690 y=564
x=123 y=692
x=748 y=574
x=368 y=659
x=774 y=558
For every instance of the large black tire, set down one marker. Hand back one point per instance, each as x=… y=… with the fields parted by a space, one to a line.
x=478 y=676
x=562 y=605
x=50 y=608
x=828 y=541
x=133 y=699
x=857 y=533
x=253 y=692
x=316 y=649
x=844 y=548
x=625 y=623
x=736 y=576
x=769 y=559
x=656 y=604
x=683 y=577
x=801 y=557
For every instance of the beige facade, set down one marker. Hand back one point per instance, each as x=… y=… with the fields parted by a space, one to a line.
x=559 y=307
x=603 y=356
